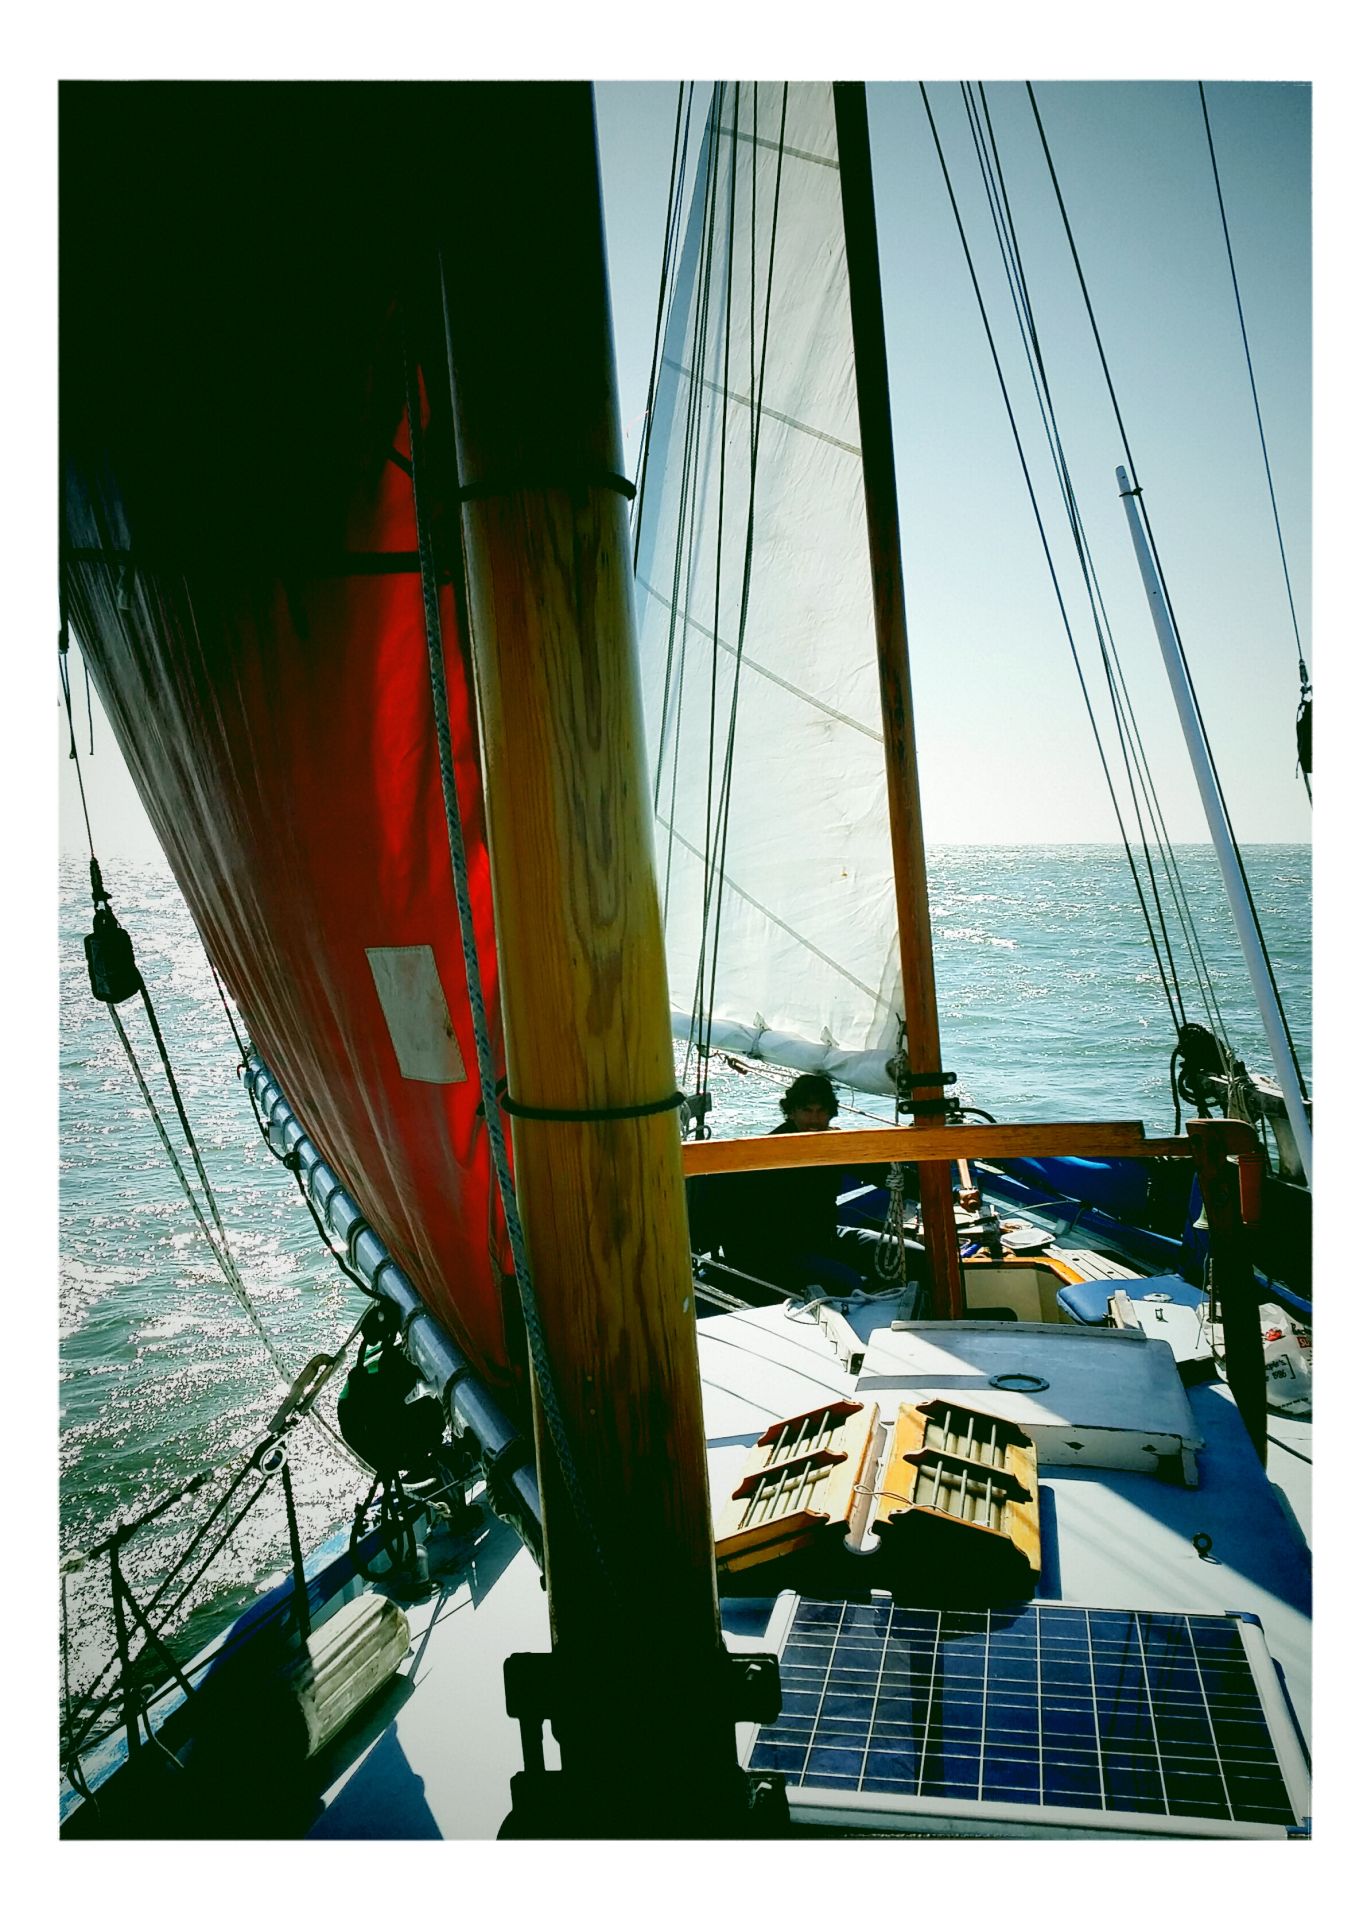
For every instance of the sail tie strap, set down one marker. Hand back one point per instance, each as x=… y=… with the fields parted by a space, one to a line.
x=521 y=1112
x=499 y=485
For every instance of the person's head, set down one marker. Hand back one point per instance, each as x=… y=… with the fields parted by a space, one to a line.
x=809 y=1102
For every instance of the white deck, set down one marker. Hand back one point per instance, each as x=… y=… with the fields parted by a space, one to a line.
x=436 y=1759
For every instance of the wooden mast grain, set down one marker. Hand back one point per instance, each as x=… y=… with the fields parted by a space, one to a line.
x=892 y=644
x=583 y=971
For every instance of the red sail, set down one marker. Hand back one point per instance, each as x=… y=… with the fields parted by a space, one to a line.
x=241 y=573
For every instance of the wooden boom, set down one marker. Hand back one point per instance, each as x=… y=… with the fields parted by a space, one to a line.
x=1124 y=1138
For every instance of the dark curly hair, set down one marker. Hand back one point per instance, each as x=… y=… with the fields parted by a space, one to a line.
x=810 y=1090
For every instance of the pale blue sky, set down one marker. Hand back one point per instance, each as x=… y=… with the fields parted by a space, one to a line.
x=1004 y=746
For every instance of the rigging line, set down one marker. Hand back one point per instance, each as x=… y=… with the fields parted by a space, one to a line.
x=173 y=1607
x=68 y=1712
x=1170 y=867
x=64 y=676
x=702 y=1005
x=730 y=243
x=754 y=428
x=1012 y=261
x=1080 y=275
x=228 y=1014
x=711 y=897
x=1016 y=273
x=680 y=618
x=183 y=1116
x=230 y=1272
x=1166 y=592
x=688 y=502
x=702 y=1052
x=686 y=505
x=88 y=1695
x=705 y=311
x=675 y=195
x=548 y=1393
x=1227 y=816
x=1198 y=960
x=726 y=798
x=223 y=1258
x=1175 y=884
x=1252 y=379
x=1042 y=531
x=221 y=1249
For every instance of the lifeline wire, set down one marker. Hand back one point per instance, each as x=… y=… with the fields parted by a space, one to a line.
x=193 y=1486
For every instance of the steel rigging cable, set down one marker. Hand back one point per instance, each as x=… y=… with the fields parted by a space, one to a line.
x=719 y=216
x=1306 y=693
x=1047 y=552
x=756 y=387
x=675 y=195
x=1166 y=592
x=1130 y=741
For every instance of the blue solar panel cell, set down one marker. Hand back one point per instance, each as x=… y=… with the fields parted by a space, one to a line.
x=1040 y=1706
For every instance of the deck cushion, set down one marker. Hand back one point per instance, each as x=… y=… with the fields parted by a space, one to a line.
x=1088 y=1300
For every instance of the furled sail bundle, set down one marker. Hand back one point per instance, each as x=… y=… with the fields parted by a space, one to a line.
x=755 y=614
x=243 y=279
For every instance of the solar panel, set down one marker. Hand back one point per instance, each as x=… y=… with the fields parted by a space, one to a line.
x=1125 y=1719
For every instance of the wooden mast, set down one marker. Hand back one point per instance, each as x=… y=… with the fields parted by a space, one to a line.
x=629 y=1557
x=892 y=645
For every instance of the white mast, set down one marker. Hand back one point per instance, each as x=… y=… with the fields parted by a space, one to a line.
x=1219 y=832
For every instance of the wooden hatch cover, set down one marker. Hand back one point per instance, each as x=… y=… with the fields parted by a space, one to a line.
x=800 y=1481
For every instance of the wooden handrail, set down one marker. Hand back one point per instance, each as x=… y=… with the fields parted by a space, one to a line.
x=1123 y=1139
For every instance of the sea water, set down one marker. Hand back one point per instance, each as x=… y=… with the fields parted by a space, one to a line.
x=1052 y=1008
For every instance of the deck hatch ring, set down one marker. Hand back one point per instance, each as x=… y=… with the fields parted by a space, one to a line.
x=1019 y=1382
x=1160 y=1298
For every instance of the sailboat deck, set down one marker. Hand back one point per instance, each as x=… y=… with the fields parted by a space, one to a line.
x=435 y=1756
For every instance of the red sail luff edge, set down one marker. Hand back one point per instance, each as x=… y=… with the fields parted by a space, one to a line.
x=274 y=708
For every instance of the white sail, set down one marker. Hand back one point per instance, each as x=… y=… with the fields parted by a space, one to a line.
x=773 y=841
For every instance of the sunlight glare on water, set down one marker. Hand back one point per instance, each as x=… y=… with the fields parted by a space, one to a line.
x=1051 y=1009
